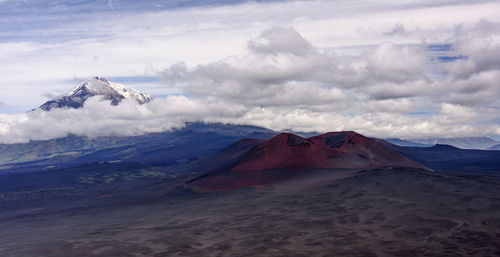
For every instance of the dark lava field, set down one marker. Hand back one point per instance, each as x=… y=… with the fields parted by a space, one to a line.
x=382 y=212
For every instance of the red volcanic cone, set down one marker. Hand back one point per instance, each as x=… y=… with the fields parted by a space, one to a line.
x=284 y=152
x=355 y=151
x=286 y=155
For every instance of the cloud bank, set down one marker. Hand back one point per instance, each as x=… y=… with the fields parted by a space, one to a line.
x=283 y=81
x=48 y=43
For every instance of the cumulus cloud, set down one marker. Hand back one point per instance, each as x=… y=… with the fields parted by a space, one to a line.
x=100 y=118
x=479 y=89
x=472 y=79
x=389 y=63
x=281 y=67
x=480 y=44
x=389 y=89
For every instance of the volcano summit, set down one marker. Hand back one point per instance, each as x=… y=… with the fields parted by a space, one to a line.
x=96 y=86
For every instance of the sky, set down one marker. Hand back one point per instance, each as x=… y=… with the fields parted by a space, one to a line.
x=408 y=69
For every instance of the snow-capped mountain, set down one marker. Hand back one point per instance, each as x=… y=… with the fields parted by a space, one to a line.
x=93 y=87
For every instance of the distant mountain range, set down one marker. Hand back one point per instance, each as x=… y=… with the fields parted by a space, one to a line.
x=402 y=142
x=449 y=158
x=484 y=143
x=167 y=148
x=96 y=86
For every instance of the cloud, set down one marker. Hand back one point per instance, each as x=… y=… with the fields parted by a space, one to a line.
x=480 y=44
x=100 y=118
x=283 y=81
x=283 y=68
x=140 y=39
x=397 y=30
x=278 y=40
x=390 y=63
x=479 y=89
x=319 y=69
x=283 y=74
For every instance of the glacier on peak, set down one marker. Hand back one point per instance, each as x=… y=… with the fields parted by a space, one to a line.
x=96 y=86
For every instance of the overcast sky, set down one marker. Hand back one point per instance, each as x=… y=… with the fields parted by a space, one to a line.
x=409 y=69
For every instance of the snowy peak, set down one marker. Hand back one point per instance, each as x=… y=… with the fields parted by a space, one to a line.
x=100 y=86
x=96 y=86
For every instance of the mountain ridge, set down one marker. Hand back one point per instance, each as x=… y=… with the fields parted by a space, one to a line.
x=482 y=143
x=73 y=149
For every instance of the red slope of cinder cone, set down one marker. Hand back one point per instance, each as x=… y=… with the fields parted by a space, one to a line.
x=284 y=152
x=356 y=151
x=286 y=155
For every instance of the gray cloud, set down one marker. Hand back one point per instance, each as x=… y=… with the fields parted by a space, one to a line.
x=100 y=118
x=282 y=67
x=473 y=79
x=479 y=44
x=479 y=89
x=282 y=71
x=397 y=30
x=279 y=40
